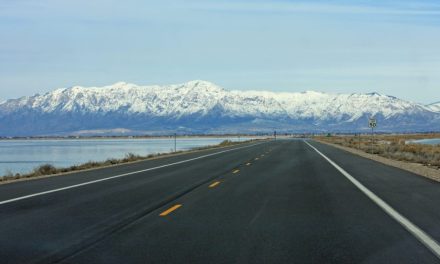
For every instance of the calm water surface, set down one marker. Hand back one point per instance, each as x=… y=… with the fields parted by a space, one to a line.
x=20 y=156
x=429 y=141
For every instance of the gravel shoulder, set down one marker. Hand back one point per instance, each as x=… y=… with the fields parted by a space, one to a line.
x=419 y=169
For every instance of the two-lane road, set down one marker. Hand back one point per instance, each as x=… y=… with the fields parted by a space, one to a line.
x=273 y=202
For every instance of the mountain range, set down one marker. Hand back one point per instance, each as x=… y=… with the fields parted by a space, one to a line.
x=203 y=107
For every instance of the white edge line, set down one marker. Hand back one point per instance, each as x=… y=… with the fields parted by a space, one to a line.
x=418 y=233
x=121 y=175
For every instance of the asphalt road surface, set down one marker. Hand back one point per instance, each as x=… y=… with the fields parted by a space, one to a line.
x=285 y=201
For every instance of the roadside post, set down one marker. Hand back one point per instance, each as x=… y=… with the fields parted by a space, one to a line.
x=372 y=123
x=275 y=134
x=175 y=142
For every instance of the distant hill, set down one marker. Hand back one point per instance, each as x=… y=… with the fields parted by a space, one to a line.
x=203 y=107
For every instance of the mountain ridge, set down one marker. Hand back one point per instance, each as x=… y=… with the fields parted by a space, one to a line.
x=435 y=107
x=202 y=107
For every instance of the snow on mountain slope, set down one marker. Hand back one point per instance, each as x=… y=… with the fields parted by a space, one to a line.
x=435 y=107
x=204 y=107
x=200 y=97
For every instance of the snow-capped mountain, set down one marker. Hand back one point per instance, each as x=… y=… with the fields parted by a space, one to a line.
x=203 y=107
x=435 y=107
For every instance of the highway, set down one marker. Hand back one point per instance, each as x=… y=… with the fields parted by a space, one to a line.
x=284 y=201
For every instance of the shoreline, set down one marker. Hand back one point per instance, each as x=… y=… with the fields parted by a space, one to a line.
x=134 y=137
x=413 y=136
x=47 y=170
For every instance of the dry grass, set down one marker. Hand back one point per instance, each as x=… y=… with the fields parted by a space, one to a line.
x=393 y=147
x=48 y=169
x=226 y=143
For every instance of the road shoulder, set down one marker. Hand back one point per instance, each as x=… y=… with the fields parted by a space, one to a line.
x=415 y=168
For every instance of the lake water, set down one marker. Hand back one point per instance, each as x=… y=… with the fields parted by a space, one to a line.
x=429 y=141
x=20 y=156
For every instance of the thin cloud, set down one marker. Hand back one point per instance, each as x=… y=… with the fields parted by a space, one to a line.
x=321 y=8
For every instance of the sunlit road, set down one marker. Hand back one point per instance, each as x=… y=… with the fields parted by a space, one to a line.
x=285 y=201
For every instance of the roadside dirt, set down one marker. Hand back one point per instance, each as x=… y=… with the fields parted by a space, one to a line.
x=420 y=169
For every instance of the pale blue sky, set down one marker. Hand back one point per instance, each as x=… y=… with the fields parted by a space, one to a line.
x=331 y=46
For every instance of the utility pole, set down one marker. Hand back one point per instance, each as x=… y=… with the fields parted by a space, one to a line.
x=175 y=142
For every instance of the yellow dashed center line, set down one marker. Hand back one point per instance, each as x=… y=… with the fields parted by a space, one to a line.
x=167 y=212
x=214 y=184
x=236 y=171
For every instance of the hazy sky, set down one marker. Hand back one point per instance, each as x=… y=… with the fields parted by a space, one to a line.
x=331 y=46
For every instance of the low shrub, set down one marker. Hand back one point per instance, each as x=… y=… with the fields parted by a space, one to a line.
x=48 y=169
x=226 y=143
x=392 y=146
x=45 y=169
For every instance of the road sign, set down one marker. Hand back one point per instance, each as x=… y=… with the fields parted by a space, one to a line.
x=372 y=123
